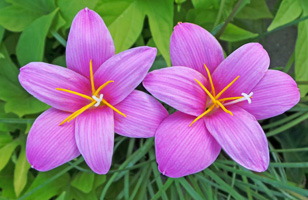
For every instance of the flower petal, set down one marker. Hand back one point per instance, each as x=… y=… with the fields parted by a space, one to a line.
x=182 y=150
x=249 y=62
x=276 y=93
x=241 y=137
x=177 y=87
x=95 y=138
x=50 y=145
x=88 y=39
x=127 y=69
x=143 y=115
x=193 y=46
x=42 y=79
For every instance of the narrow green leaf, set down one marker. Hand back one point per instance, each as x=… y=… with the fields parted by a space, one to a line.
x=83 y=181
x=189 y=189
x=6 y=152
x=160 y=13
x=301 y=60
x=34 y=34
x=288 y=11
x=234 y=33
x=164 y=188
x=21 y=171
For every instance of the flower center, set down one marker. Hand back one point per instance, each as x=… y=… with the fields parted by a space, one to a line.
x=95 y=99
x=216 y=102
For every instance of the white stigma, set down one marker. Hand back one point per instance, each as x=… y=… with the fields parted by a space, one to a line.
x=98 y=100
x=245 y=97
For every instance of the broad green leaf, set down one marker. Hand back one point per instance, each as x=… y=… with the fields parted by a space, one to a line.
x=83 y=181
x=257 y=9
x=73 y=193
x=1 y=33
x=21 y=171
x=35 y=33
x=288 y=11
x=6 y=152
x=51 y=189
x=12 y=92
x=42 y=6
x=5 y=138
x=160 y=13
x=304 y=5
x=234 y=33
x=202 y=16
x=124 y=19
x=206 y=3
x=301 y=58
x=6 y=182
x=69 y=8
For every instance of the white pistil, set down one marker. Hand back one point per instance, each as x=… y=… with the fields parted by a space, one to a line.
x=98 y=100
x=245 y=97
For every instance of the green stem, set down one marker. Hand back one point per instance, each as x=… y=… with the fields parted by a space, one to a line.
x=221 y=7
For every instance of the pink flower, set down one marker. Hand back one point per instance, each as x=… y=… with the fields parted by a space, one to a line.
x=219 y=102
x=91 y=99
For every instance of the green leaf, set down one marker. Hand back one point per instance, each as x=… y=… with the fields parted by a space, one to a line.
x=83 y=181
x=12 y=92
x=234 y=33
x=124 y=20
x=1 y=33
x=21 y=171
x=35 y=33
x=160 y=13
x=208 y=3
x=69 y=8
x=6 y=152
x=288 y=11
x=5 y=138
x=51 y=189
x=301 y=59
x=6 y=182
x=257 y=9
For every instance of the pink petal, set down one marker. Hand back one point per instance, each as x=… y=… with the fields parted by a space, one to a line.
x=50 y=145
x=250 y=62
x=127 y=69
x=88 y=39
x=182 y=150
x=42 y=79
x=192 y=46
x=95 y=138
x=276 y=93
x=177 y=87
x=241 y=137
x=143 y=115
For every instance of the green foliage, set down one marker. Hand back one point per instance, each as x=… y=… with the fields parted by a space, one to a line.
x=36 y=30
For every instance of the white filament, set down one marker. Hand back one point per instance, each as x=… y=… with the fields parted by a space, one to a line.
x=98 y=100
x=245 y=97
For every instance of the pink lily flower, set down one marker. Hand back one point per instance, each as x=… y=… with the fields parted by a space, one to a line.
x=219 y=102
x=91 y=98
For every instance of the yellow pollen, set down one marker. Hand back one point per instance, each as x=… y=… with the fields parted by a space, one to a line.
x=215 y=98
x=93 y=101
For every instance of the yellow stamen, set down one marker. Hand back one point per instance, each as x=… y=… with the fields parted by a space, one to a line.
x=76 y=93
x=207 y=92
x=210 y=78
x=102 y=86
x=203 y=114
x=78 y=112
x=113 y=108
x=91 y=77
x=230 y=98
x=227 y=111
x=222 y=91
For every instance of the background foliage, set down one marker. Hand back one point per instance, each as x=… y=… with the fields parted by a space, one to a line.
x=36 y=30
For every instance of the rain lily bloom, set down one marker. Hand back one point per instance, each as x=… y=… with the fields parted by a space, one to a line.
x=219 y=102
x=91 y=98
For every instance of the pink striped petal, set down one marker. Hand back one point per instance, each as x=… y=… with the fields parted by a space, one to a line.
x=127 y=69
x=276 y=93
x=241 y=137
x=177 y=87
x=50 y=145
x=42 y=79
x=143 y=115
x=182 y=150
x=95 y=138
x=88 y=39
x=250 y=62
x=192 y=46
